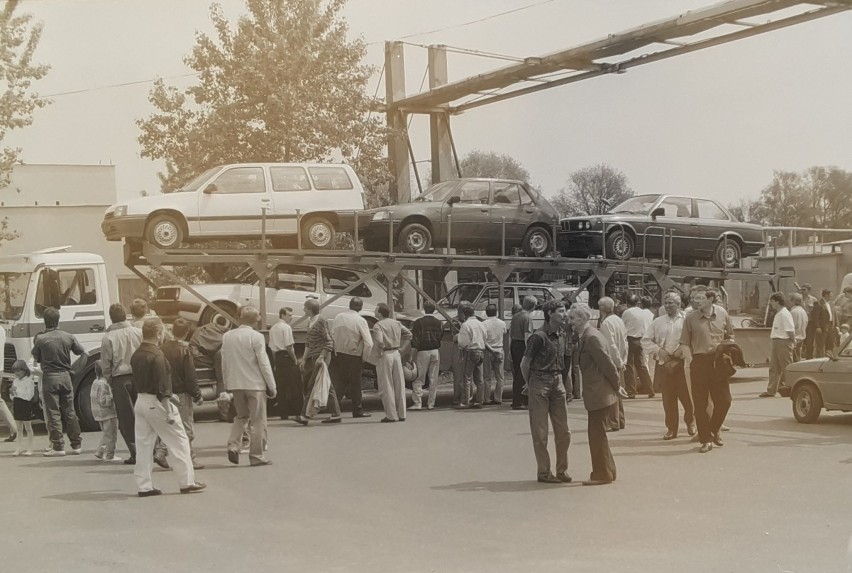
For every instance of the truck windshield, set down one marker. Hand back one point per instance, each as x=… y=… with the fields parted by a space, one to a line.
x=13 y=294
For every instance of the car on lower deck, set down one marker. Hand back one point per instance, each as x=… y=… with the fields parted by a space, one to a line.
x=465 y=214
x=700 y=230
x=481 y=294
x=821 y=384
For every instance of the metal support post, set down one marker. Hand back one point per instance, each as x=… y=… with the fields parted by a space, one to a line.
x=398 y=160
x=443 y=167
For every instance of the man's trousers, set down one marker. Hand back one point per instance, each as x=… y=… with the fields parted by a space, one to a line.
x=391 y=384
x=251 y=407
x=603 y=464
x=706 y=385
x=547 y=399
x=518 y=348
x=495 y=375
x=428 y=364
x=636 y=376
x=151 y=424
x=346 y=375
x=672 y=384
x=122 y=397
x=780 y=356
x=59 y=404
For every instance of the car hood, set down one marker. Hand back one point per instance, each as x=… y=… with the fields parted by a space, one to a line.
x=813 y=365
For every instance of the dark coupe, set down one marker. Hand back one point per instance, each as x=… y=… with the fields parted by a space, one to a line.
x=472 y=211
x=702 y=230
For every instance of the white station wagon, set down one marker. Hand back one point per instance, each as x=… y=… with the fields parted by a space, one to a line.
x=226 y=202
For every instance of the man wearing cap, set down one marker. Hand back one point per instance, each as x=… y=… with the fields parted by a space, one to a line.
x=824 y=318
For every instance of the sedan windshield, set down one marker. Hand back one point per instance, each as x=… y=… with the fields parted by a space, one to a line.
x=13 y=294
x=438 y=191
x=460 y=294
x=641 y=204
x=198 y=181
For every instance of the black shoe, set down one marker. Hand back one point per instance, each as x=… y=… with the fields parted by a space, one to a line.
x=548 y=478
x=718 y=441
x=301 y=420
x=131 y=461
x=149 y=493
x=194 y=488
x=361 y=414
x=12 y=438
x=705 y=448
x=402 y=419
x=563 y=477
x=331 y=421
x=670 y=436
x=519 y=407
x=234 y=456
x=387 y=421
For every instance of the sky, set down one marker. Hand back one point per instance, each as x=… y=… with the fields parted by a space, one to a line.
x=715 y=123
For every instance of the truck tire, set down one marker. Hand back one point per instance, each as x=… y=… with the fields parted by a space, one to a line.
x=210 y=312
x=83 y=404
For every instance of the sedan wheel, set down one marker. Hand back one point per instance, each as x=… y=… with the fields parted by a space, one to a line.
x=537 y=242
x=415 y=238
x=620 y=246
x=728 y=254
x=807 y=404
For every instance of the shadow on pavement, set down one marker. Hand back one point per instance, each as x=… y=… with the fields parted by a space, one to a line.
x=107 y=495
x=503 y=486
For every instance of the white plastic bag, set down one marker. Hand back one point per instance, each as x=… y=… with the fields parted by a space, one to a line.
x=319 y=394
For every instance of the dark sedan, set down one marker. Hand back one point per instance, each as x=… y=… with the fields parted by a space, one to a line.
x=467 y=214
x=701 y=229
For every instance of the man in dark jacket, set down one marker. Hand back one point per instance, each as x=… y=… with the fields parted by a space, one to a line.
x=206 y=348
x=824 y=319
x=600 y=392
x=184 y=382
x=426 y=335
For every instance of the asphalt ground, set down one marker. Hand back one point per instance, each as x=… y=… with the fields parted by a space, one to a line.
x=452 y=490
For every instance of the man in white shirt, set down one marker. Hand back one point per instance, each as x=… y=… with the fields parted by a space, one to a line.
x=637 y=379
x=495 y=330
x=248 y=375
x=782 y=340
x=662 y=340
x=352 y=342
x=288 y=379
x=472 y=343
x=800 y=324
x=613 y=331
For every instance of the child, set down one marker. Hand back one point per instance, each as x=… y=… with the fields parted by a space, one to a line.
x=103 y=410
x=23 y=403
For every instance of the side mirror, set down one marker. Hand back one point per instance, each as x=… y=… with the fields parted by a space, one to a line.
x=210 y=189
x=453 y=200
x=658 y=212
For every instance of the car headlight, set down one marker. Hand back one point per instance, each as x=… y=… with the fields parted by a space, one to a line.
x=120 y=211
x=380 y=216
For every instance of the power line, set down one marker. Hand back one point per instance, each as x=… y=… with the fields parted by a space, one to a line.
x=121 y=85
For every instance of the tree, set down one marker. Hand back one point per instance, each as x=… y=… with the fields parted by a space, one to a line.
x=747 y=210
x=19 y=38
x=592 y=191
x=491 y=164
x=284 y=86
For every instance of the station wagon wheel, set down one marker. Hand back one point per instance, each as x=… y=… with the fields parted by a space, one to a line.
x=415 y=238
x=728 y=254
x=318 y=233
x=807 y=403
x=537 y=242
x=164 y=231
x=620 y=245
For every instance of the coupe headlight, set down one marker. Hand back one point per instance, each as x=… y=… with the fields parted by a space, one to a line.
x=380 y=216
x=120 y=211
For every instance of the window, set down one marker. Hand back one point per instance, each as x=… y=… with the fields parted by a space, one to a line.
x=542 y=295
x=289 y=179
x=302 y=279
x=710 y=210
x=506 y=194
x=459 y=294
x=526 y=199
x=68 y=287
x=490 y=296
x=241 y=180
x=476 y=192
x=330 y=178
x=335 y=281
x=13 y=294
x=680 y=207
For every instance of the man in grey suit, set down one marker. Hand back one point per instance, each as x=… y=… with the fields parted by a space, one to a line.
x=600 y=392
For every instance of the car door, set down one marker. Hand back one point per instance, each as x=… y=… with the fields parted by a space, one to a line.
x=835 y=378
x=231 y=205
x=81 y=310
x=291 y=190
x=506 y=205
x=678 y=219
x=713 y=221
x=471 y=220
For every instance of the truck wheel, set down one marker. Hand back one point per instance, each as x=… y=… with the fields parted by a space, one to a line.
x=317 y=233
x=807 y=403
x=164 y=231
x=210 y=313
x=83 y=404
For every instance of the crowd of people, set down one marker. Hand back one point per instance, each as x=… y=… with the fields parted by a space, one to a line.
x=147 y=387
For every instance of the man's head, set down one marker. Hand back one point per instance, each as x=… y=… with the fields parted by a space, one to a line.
x=249 y=316
x=806 y=289
x=466 y=310
x=117 y=313
x=51 y=317
x=529 y=303
x=632 y=300
x=671 y=302
x=778 y=301
x=491 y=310
x=826 y=294
x=428 y=307
x=795 y=299
x=285 y=313
x=356 y=304
x=554 y=312
x=847 y=290
x=312 y=307
x=702 y=297
x=645 y=302
x=152 y=330
x=606 y=305
x=139 y=308
x=383 y=310
x=180 y=329
x=579 y=317
x=516 y=308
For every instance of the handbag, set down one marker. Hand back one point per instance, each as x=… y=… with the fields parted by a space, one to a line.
x=319 y=394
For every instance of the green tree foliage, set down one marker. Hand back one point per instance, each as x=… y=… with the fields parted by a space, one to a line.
x=491 y=164
x=284 y=85
x=816 y=197
x=19 y=38
x=592 y=190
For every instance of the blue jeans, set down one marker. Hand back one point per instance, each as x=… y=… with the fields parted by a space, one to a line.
x=547 y=400
x=59 y=407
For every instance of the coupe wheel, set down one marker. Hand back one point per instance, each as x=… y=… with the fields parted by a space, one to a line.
x=728 y=254
x=537 y=242
x=318 y=233
x=807 y=403
x=415 y=238
x=620 y=245
x=165 y=232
